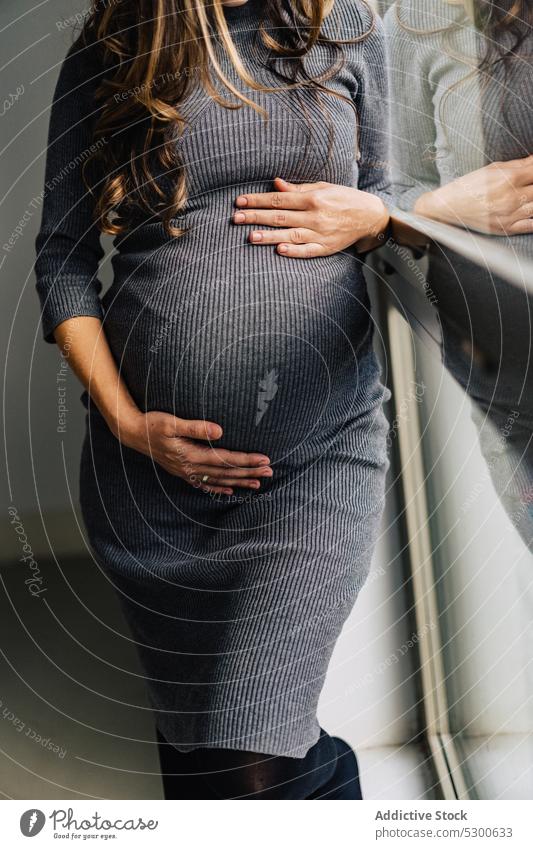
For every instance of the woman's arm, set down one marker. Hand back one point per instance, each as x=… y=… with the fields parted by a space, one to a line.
x=68 y=248
x=68 y=254
x=412 y=151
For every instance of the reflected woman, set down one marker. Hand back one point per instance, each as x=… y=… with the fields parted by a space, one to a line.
x=462 y=100
x=233 y=469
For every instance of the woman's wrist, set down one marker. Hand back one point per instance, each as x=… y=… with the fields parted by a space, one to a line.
x=380 y=231
x=382 y=221
x=385 y=231
x=126 y=423
x=132 y=431
x=428 y=206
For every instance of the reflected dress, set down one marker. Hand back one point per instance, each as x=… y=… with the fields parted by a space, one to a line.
x=235 y=602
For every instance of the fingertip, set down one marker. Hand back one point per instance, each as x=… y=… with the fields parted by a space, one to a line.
x=283 y=249
x=242 y=201
x=287 y=186
x=214 y=431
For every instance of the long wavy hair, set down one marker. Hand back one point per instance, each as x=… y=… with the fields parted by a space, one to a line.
x=153 y=52
x=494 y=17
x=495 y=20
x=503 y=25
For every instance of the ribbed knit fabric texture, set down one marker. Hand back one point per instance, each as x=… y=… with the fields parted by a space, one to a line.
x=235 y=602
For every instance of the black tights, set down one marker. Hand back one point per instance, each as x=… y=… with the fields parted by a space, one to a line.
x=328 y=771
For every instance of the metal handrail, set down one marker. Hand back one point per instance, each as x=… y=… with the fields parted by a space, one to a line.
x=490 y=252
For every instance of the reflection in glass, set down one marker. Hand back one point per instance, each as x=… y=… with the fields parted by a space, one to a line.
x=461 y=79
x=462 y=107
x=486 y=326
x=484 y=584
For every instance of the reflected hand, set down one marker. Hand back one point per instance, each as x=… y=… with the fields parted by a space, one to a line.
x=315 y=219
x=496 y=199
x=176 y=445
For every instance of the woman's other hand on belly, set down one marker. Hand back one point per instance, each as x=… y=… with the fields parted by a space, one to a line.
x=178 y=446
x=175 y=444
x=314 y=219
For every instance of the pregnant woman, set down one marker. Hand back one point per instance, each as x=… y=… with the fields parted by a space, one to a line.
x=233 y=468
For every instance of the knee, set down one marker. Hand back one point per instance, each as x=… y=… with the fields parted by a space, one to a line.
x=249 y=775
x=239 y=775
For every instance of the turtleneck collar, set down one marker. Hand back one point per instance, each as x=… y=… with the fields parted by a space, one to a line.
x=250 y=10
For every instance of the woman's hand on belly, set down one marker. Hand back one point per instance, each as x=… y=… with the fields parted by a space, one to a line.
x=173 y=443
x=315 y=219
x=176 y=445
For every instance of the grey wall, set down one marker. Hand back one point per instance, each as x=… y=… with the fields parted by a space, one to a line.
x=33 y=47
x=41 y=463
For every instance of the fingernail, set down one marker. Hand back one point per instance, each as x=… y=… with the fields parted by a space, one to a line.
x=256 y=237
x=239 y=218
x=283 y=249
x=241 y=201
x=267 y=473
x=263 y=460
x=255 y=484
x=228 y=492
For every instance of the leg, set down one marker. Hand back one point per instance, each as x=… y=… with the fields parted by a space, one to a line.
x=177 y=773
x=328 y=771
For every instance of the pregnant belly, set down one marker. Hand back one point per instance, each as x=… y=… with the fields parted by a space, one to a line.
x=271 y=358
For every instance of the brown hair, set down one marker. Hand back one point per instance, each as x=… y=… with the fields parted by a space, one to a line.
x=148 y=48
x=514 y=17
x=504 y=26
x=492 y=20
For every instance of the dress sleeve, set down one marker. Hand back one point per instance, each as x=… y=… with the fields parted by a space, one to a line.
x=68 y=247
x=413 y=130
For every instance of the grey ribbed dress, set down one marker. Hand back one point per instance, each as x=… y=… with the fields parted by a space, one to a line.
x=234 y=602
